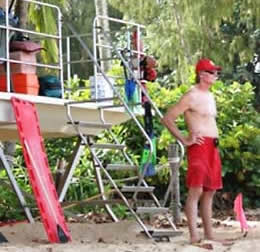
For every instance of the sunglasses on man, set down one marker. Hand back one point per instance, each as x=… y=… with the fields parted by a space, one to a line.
x=212 y=72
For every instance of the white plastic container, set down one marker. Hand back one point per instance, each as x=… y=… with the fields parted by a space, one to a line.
x=101 y=89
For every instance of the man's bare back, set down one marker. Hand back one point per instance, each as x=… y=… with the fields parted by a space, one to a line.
x=201 y=114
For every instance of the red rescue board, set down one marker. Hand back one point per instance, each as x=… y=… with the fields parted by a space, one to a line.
x=39 y=171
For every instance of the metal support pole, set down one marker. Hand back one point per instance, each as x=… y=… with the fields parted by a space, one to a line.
x=68 y=59
x=15 y=186
x=174 y=161
x=66 y=180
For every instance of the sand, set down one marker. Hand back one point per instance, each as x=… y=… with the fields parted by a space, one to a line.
x=123 y=236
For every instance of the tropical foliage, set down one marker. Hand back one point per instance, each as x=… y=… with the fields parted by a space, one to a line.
x=44 y=19
x=191 y=29
x=180 y=32
x=238 y=123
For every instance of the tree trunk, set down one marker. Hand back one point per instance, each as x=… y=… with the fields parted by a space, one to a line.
x=21 y=8
x=104 y=54
x=20 y=11
x=182 y=61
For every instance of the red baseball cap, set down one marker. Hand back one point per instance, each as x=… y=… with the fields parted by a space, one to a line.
x=206 y=65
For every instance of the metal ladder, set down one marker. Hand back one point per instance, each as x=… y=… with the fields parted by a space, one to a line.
x=105 y=169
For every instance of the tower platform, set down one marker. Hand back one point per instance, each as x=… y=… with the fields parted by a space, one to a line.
x=53 y=117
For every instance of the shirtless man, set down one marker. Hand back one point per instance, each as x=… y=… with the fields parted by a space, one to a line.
x=204 y=166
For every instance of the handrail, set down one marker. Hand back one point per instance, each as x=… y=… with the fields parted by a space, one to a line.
x=58 y=37
x=107 y=79
x=118 y=21
x=31 y=63
x=148 y=97
x=132 y=115
x=97 y=68
x=125 y=63
x=11 y=28
x=7 y=45
x=95 y=44
x=144 y=91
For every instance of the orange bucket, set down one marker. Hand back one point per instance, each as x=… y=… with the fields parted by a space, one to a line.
x=22 y=83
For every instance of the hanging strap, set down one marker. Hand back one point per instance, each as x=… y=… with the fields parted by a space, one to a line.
x=148 y=119
x=11 y=6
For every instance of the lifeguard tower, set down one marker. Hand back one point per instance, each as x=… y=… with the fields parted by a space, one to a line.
x=63 y=117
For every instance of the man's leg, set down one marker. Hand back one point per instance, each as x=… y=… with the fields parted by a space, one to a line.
x=206 y=213
x=191 y=210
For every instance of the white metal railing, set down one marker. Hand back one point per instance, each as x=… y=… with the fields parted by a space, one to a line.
x=111 y=45
x=58 y=37
x=129 y=27
x=69 y=62
x=138 y=52
x=98 y=70
x=126 y=31
x=96 y=45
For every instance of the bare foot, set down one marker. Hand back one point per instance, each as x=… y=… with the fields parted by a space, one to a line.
x=199 y=244
x=224 y=242
x=195 y=240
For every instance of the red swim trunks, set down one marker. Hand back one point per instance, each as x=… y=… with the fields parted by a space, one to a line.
x=204 y=166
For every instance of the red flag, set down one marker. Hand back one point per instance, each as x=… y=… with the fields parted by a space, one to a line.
x=240 y=215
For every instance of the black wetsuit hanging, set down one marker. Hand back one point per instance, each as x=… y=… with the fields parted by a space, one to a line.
x=148 y=118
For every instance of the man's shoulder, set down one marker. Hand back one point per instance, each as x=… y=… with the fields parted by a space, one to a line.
x=191 y=93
